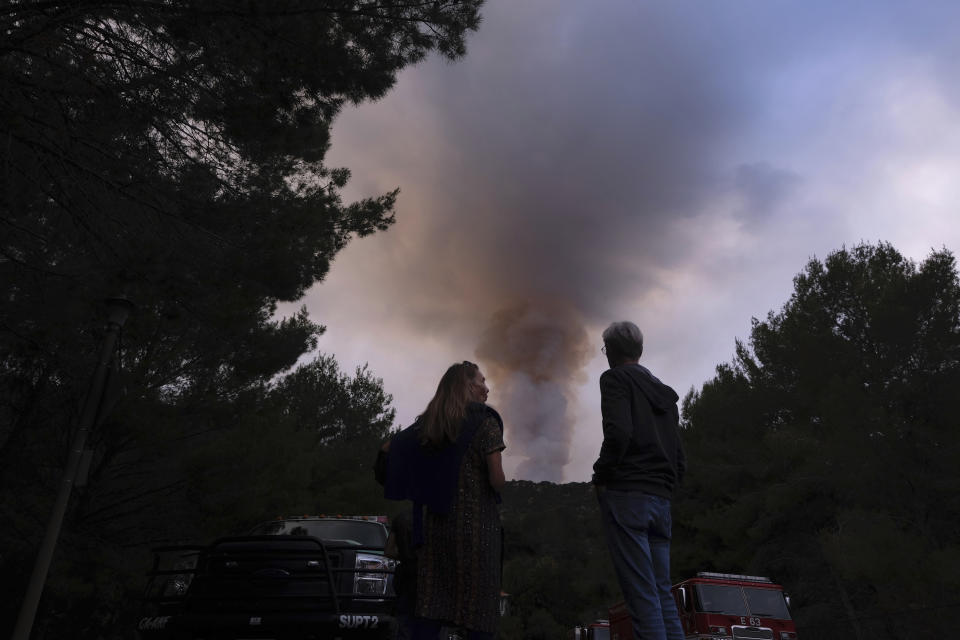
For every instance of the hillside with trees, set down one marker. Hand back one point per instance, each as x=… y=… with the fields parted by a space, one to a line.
x=556 y=566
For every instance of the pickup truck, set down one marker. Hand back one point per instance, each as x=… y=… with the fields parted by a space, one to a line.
x=297 y=578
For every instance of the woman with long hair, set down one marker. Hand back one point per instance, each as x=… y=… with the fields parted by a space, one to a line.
x=449 y=463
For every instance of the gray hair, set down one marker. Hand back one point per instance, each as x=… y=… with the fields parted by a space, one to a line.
x=624 y=338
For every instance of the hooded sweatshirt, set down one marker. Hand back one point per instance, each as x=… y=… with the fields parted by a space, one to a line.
x=641 y=448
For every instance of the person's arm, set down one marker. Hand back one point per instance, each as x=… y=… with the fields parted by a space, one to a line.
x=380 y=465
x=491 y=444
x=495 y=471
x=617 y=426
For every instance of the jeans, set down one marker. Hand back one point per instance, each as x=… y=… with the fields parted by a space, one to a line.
x=637 y=526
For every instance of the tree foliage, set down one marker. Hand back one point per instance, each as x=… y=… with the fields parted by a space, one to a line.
x=307 y=447
x=825 y=453
x=557 y=569
x=174 y=152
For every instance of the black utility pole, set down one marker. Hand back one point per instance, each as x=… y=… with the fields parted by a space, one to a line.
x=119 y=310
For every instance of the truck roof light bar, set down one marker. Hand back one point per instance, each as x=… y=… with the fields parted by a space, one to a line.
x=323 y=516
x=733 y=576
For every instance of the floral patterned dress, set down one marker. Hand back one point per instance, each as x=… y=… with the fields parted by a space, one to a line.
x=459 y=564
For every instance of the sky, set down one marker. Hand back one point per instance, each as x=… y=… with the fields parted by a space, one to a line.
x=673 y=163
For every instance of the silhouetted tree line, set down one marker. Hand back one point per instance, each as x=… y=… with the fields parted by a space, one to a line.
x=825 y=454
x=173 y=152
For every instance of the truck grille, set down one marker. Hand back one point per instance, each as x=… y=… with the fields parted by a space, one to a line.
x=269 y=573
x=265 y=574
x=752 y=633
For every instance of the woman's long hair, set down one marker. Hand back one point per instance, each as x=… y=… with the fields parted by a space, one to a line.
x=448 y=407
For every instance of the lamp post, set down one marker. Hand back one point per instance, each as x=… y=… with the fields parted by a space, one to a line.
x=119 y=310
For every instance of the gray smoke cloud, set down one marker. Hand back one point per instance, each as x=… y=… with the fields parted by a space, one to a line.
x=559 y=197
x=585 y=154
x=534 y=354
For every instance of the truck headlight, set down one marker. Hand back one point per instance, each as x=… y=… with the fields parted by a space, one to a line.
x=177 y=585
x=374 y=574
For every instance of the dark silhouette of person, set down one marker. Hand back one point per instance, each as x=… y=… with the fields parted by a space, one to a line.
x=449 y=464
x=641 y=462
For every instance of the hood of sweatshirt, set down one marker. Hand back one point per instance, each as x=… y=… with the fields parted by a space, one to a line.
x=662 y=397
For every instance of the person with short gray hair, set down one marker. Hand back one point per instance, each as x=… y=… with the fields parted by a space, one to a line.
x=625 y=338
x=641 y=462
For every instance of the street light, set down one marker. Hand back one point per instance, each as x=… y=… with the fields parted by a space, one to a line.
x=118 y=311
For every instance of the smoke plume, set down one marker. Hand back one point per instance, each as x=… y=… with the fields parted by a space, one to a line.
x=533 y=355
x=657 y=161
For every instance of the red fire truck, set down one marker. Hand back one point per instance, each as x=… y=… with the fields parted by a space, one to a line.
x=723 y=606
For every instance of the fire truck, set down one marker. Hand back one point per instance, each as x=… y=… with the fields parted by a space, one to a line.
x=723 y=606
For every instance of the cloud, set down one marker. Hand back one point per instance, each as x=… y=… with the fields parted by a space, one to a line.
x=592 y=162
x=763 y=189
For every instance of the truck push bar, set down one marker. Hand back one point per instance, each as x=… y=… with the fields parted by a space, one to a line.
x=733 y=576
x=158 y=592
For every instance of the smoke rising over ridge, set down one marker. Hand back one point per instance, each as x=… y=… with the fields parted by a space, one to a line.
x=534 y=355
